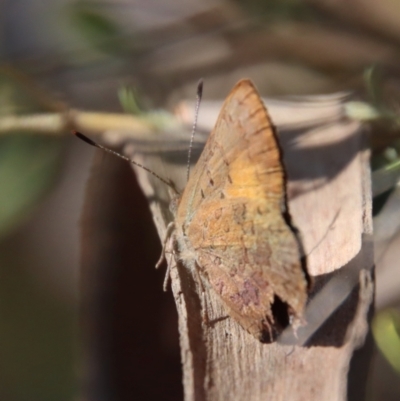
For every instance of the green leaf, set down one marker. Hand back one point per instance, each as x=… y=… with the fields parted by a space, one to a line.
x=386 y=331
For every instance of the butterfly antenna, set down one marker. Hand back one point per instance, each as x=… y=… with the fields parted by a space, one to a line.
x=196 y=115
x=97 y=145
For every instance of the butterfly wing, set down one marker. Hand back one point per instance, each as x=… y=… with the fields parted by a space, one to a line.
x=231 y=218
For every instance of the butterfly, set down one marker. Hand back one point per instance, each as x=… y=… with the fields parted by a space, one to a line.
x=232 y=220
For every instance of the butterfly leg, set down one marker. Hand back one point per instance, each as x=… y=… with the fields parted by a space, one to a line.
x=168 y=272
x=168 y=233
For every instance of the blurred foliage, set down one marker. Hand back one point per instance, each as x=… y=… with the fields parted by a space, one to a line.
x=36 y=329
x=33 y=324
x=133 y=103
x=130 y=101
x=284 y=9
x=385 y=161
x=100 y=31
x=386 y=331
x=37 y=336
x=28 y=164
x=361 y=111
x=27 y=169
x=373 y=81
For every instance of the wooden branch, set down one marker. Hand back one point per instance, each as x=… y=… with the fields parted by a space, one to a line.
x=86 y=121
x=330 y=202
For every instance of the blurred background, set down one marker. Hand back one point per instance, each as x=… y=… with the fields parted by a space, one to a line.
x=116 y=55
